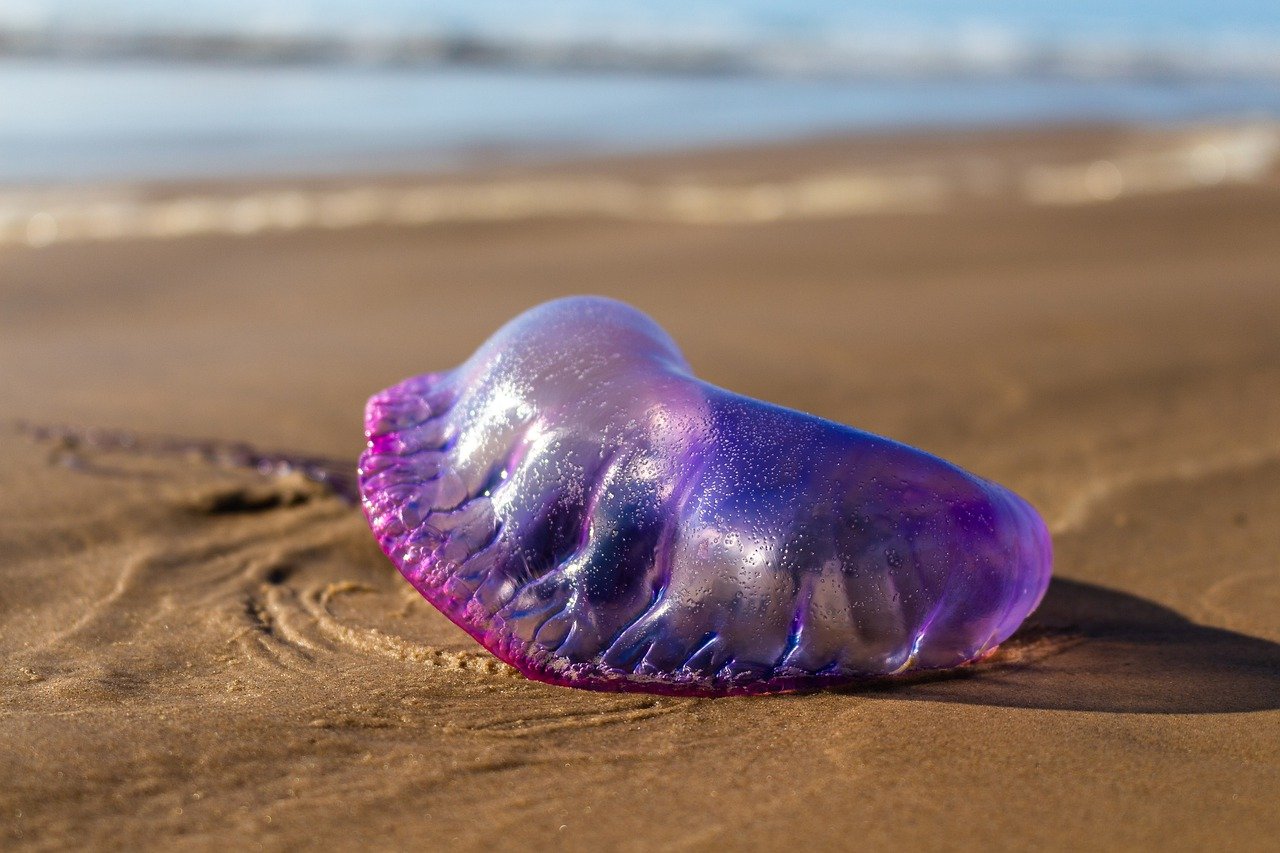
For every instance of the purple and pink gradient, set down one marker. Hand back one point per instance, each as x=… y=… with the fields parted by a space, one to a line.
x=596 y=516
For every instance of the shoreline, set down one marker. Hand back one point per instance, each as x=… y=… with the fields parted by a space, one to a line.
x=122 y=121
x=1125 y=162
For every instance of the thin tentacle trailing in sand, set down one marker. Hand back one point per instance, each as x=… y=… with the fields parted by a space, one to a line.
x=596 y=516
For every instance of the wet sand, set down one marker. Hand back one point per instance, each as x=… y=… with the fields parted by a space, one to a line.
x=201 y=656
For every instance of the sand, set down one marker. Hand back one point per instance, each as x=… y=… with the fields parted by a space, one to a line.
x=198 y=656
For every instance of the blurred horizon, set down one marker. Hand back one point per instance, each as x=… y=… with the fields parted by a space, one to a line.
x=100 y=90
x=1092 y=39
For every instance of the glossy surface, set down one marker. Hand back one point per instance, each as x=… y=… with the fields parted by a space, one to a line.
x=593 y=514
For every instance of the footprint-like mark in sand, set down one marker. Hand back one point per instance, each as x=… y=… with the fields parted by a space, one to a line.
x=316 y=600
x=148 y=582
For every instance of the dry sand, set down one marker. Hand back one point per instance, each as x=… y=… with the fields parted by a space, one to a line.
x=203 y=657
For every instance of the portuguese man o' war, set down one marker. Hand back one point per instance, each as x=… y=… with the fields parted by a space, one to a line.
x=596 y=516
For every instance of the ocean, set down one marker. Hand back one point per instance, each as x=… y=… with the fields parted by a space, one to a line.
x=112 y=90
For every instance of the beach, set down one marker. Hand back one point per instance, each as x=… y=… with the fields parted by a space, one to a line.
x=199 y=655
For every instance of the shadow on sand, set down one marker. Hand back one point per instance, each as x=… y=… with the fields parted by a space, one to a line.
x=1089 y=648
